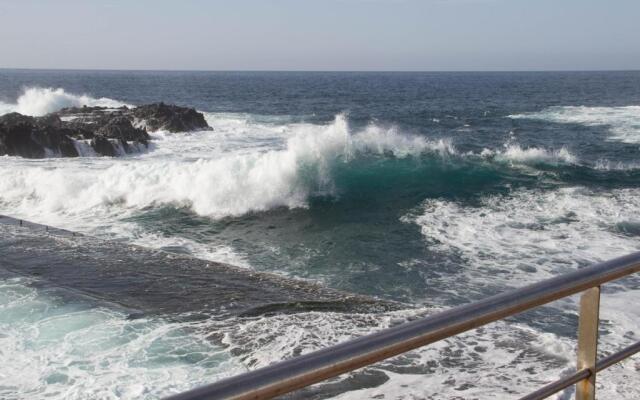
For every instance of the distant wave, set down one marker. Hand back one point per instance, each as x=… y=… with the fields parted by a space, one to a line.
x=514 y=153
x=38 y=101
x=623 y=122
x=608 y=165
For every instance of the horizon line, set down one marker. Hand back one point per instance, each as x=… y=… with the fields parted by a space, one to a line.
x=319 y=70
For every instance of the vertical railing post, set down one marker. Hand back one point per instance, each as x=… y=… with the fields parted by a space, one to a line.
x=588 y=342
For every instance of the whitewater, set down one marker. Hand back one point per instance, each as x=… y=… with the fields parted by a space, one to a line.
x=431 y=215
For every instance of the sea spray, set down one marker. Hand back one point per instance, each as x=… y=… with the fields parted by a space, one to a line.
x=37 y=101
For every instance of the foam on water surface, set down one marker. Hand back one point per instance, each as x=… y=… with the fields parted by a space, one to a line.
x=514 y=153
x=74 y=350
x=56 y=345
x=623 y=122
x=530 y=235
x=253 y=165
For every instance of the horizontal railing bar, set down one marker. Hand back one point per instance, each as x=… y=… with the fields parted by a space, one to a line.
x=556 y=386
x=305 y=370
x=617 y=357
x=563 y=383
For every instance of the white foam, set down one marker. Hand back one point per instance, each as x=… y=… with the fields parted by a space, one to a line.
x=530 y=235
x=59 y=350
x=207 y=251
x=37 y=101
x=500 y=360
x=104 y=355
x=81 y=352
x=623 y=122
x=514 y=153
x=608 y=165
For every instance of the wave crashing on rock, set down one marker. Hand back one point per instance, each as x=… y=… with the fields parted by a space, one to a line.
x=108 y=131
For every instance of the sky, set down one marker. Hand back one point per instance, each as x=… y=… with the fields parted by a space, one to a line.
x=321 y=35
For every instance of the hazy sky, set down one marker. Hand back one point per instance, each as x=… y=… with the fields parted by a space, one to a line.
x=321 y=34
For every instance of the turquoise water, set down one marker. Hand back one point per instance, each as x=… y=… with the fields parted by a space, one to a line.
x=432 y=189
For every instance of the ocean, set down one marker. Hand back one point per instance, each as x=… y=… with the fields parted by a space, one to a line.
x=427 y=189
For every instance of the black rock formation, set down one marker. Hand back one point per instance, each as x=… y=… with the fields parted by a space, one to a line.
x=103 y=146
x=154 y=281
x=30 y=137
x=160 y=116
x=108 y=130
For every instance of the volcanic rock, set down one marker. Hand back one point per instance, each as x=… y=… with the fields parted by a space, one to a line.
x=110 y=131
x=160 y=116
x=30 y=137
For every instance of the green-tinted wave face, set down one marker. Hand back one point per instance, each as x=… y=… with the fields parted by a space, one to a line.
x=431 y=188
x=354 y=231
x=376 y=181
x=353 y=236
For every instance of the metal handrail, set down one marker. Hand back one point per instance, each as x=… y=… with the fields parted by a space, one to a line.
x=305 y=370
x=560 y=384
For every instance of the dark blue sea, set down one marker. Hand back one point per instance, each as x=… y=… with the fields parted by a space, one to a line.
x=428 y=189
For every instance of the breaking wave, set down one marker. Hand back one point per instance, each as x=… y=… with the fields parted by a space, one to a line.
x=231 y=184
x=243 y=167
x=37 y=101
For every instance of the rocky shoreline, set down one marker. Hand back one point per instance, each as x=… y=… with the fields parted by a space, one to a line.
x=104 y=131
x=155 y=282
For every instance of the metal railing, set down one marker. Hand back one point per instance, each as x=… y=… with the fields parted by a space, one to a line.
x=305 y=370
